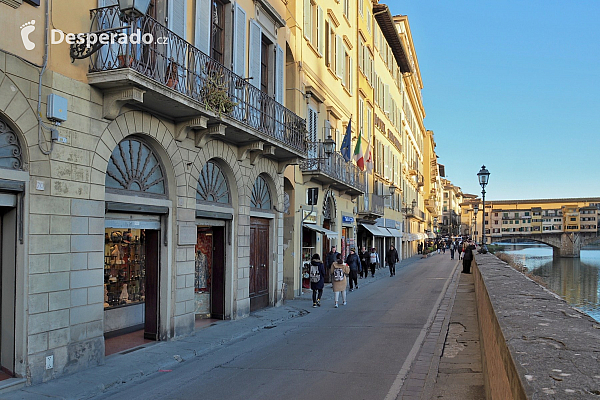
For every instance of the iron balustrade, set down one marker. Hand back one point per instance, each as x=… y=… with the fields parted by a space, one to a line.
x=174 y=62
x=334 y=166
x=370 y=203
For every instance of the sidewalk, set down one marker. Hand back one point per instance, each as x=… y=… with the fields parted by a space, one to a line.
x=448 y=365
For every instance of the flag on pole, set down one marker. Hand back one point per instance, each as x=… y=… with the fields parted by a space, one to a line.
x=345 y=149
x=358 y=155
x=369 y=157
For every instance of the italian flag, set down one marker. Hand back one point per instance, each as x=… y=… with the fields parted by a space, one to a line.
x=369 y=157
x=359 y=155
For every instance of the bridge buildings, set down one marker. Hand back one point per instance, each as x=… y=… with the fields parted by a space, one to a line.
x=566 y=224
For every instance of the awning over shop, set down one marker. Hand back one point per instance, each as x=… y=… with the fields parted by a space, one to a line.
x=394 y=232
x=431 y=235
x=320 y=229
x=376 y=230
x=410 y=237
x=422 y=236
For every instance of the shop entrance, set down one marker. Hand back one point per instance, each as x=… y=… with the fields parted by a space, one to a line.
x=8 y=244
x=209 y=282
x=131 y=283
x=259 y=263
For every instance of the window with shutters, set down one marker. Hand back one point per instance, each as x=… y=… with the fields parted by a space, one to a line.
x=312 y=121
x=347 y=9
x=328 y=42
x=361 y=7
x=361 y=115
x=264 y=65
x=218 y=31
x=369 y=21
x=339 y=56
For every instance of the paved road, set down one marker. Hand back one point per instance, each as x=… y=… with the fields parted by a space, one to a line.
x=359 y=351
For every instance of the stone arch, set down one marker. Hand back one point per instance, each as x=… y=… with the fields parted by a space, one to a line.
x=274 y=180
x=150 y=128
x=225 y=157
x=329 y=201
x=17 y=112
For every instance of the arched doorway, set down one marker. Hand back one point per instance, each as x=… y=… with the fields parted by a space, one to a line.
x=133 y=240
x=11 y=235
x=329 y=213
x=259 y=246
x=209 y=280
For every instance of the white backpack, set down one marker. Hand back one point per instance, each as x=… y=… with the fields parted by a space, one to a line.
x=338 y=274
x=315 y=276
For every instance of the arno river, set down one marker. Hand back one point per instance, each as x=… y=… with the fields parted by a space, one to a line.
x=577 y=280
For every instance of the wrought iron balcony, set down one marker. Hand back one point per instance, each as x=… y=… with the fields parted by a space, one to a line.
x=415 y=213
x=180 y=82
x=370 y=206
x=334 y=170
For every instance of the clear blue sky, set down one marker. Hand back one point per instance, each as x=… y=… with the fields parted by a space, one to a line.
x=514 y=85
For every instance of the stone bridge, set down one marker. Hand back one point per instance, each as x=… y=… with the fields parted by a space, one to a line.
x=564 y=244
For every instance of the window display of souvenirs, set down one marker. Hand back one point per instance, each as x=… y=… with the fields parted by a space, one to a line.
x=124 y=267
x=202 y=280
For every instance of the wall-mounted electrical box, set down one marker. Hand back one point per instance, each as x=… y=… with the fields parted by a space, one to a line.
x=56 y=110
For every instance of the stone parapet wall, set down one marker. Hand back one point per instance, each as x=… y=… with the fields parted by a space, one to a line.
x=534 y=344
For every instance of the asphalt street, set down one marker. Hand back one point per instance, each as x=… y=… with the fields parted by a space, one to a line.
x=359 y=351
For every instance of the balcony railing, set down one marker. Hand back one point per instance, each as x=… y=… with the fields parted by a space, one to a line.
x=175 y=63
x=371 y=204
x=335 y=167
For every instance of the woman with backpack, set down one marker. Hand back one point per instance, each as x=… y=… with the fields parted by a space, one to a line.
x=339 y=270
x=317 y=279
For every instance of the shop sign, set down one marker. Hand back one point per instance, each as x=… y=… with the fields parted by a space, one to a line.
x=309 y=218
x=347 y=220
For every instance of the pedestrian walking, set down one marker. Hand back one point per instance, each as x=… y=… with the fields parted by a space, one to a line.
x=354 y=264
x=467 y=258
x=460 y=250
x=420 y=248
x=339 y=270
x=452 y=250
x=330 y=258
x=391 y=258
x=439 y=247
x=373 y=260
x=363 y=255
x=317 y=279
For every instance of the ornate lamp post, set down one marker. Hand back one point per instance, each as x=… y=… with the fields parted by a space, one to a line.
x=484 y=177
x=475 y=211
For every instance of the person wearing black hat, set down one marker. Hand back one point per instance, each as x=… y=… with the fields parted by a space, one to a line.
x=354 y=264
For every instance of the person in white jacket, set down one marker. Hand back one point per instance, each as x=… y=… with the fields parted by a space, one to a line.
x=373 y=261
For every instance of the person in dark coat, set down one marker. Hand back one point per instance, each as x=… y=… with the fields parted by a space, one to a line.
x=391 y=258
x=330 y=257
x=354 y=264
x=317 y=287
x=467 y=258
x=364 y=262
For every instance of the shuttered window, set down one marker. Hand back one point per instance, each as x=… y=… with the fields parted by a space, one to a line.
x=239 y=42
x=339 y=56
x=279 y=63
x=254 y=53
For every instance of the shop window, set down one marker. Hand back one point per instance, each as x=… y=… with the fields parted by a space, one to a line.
x=133 y=167
x=124 y=267
x=212 y=185
x=10 y=150
x=261 y=198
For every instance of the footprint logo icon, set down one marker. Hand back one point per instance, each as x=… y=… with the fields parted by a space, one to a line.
x=26 y=29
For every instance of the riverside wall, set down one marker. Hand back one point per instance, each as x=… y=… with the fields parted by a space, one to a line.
x=534 y=345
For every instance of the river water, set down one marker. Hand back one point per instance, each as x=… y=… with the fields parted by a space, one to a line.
x=574 y=279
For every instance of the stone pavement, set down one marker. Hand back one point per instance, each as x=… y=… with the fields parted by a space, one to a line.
x=448 y=365
x=455 y=355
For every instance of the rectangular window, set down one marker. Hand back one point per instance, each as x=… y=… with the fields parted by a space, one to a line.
x=218 y=31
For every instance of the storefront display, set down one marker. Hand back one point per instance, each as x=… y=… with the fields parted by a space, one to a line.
x=307 y=253
x=124 y=267
x=203 y=275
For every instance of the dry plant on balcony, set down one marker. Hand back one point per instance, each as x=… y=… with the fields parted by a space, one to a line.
x=214 y=95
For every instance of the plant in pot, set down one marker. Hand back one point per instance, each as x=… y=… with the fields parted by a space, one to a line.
x=214 y=95
x=172 y=74
x=125 y=60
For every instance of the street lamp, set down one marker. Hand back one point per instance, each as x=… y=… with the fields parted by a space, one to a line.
x=484 y=177
x=475 y=211
x=133 y=8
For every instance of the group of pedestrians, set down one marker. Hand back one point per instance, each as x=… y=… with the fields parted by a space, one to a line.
x=354 y=265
